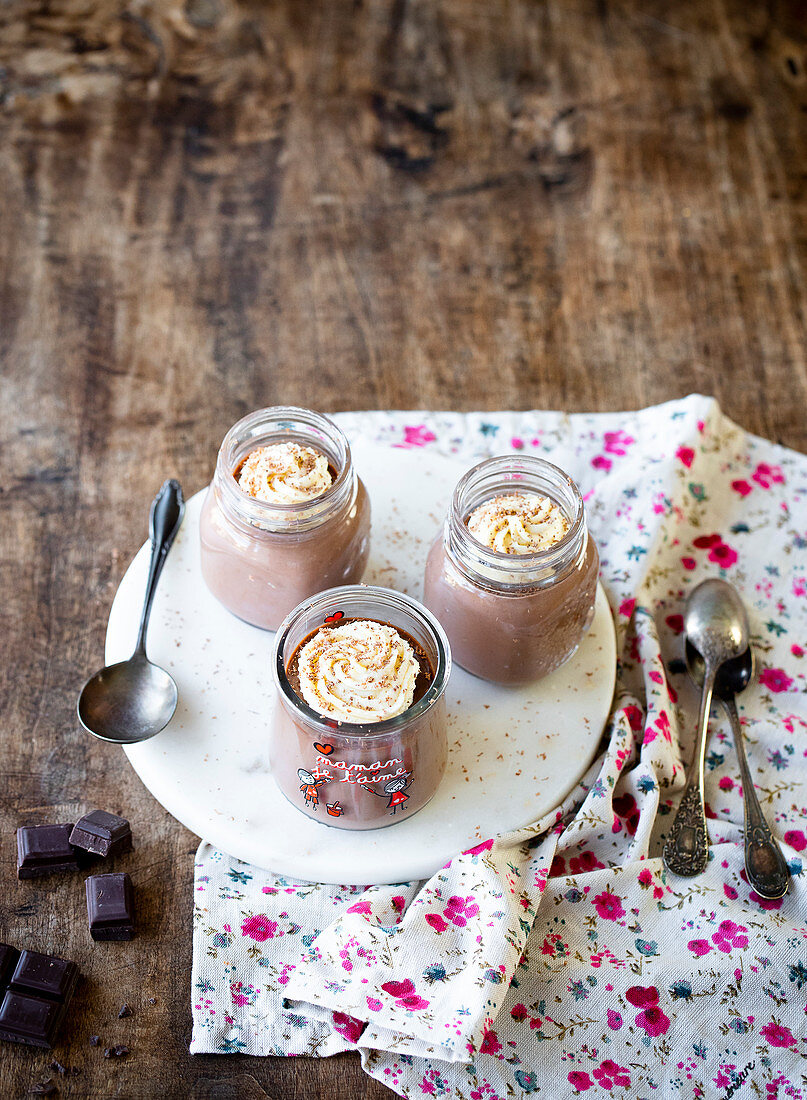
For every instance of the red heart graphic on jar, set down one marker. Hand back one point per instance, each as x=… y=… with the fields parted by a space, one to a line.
x=323 y=750
x=337 y=615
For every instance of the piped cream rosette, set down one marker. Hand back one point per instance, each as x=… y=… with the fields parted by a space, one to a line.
x=359 y=671
x=518 y=523
x=285 y=473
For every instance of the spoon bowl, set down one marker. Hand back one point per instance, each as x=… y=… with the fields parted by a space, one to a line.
x=133 y=700
x=128 y=702
x=733 y=676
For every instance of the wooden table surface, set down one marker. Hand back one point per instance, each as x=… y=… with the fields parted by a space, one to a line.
x=219 y=206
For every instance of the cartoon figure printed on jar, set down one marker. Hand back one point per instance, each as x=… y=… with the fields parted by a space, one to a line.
x=309 y=786
x=361 y=675
x=395 y=790
x=513 y=575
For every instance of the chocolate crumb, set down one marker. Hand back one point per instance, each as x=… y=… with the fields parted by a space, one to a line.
x=152 y=1000
x=124 y=1011
x=58 y=1067
x=121 y=1051
x=94 y=1040
x=107 y=1052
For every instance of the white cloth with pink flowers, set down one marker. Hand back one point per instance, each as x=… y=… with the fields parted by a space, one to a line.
x=563 y=960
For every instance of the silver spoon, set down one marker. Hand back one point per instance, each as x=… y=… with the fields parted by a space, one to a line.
x=716 y=624
x=132 y=700
x=765 y=865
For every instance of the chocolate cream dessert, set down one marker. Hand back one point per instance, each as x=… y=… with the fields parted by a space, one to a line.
x=356 y=741
x=285 y=517
x=513 y=578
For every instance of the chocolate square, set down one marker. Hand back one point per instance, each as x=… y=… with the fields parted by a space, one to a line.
x=30 y=1020
x=43 y=849
x=45 y=976
x=102 y=833
x=110 y=906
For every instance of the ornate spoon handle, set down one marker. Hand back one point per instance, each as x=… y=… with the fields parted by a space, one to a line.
x=765 y=865
x=686 y=851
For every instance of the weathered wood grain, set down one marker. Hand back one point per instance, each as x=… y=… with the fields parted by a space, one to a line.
x=391 y=203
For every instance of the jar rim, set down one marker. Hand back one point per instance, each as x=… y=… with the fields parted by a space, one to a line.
x=270 y=513
x=365 y=731
x=547 y=558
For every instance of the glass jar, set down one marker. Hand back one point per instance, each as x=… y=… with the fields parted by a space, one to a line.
x=512 y=618
x=260 y=559
x=360 y=775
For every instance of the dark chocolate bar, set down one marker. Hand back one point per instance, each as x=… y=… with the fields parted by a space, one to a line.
x=102 y=833
x=43 y=849
x=110 y=906
x=35 y=996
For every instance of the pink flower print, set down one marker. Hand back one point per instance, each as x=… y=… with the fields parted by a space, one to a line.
x=645 y=877
x=653 y=1020
x=417 y=435
x=580 y=1080
x=729 y=891
x=765 y=903
x=699 y=947
x=706 y=542
x=404 y=994
x=608 y=906
x=626 y=608
x=259 y=927
x=361 y=907
x=238 y=998
x=374 y=1004
x=585 y=862
x=796 y=839
x=729 y=935
x=796 y=650
x=478 y=849
x=436 y=922
x=348 y=1026
x=777 y=1035
x=726 y=783
x=688 y=564
x=519 y=1012
x=558 y=867
x=517 y=444
x=458 y=910
x=723 y=555
x=616 y=443
x=766 y=475
x=609 y=1074
x=634 y=716
x=685 y=456
x=642 y=996
x=625 y=806
x=490 y=1043
x=614 y=1019
x=675 y=623
x=775 y=679
x=398 y=903
x=742 y=487
x=600 y=462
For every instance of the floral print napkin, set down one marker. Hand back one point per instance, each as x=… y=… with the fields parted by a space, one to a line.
x=563 y=960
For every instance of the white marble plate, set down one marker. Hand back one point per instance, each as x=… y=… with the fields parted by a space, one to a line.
x=515 y=753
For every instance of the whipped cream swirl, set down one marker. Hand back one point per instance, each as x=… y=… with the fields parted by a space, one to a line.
x=518 y=523
x=359 y=671
x=285 y=473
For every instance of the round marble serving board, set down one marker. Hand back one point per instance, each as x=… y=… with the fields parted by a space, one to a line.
x=514 y=753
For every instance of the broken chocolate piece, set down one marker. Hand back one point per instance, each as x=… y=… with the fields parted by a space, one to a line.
x=35 y=996
x=102 y=833
x=43 y=849
x=124 y=1011
x=110 y=906
x=9 y=957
